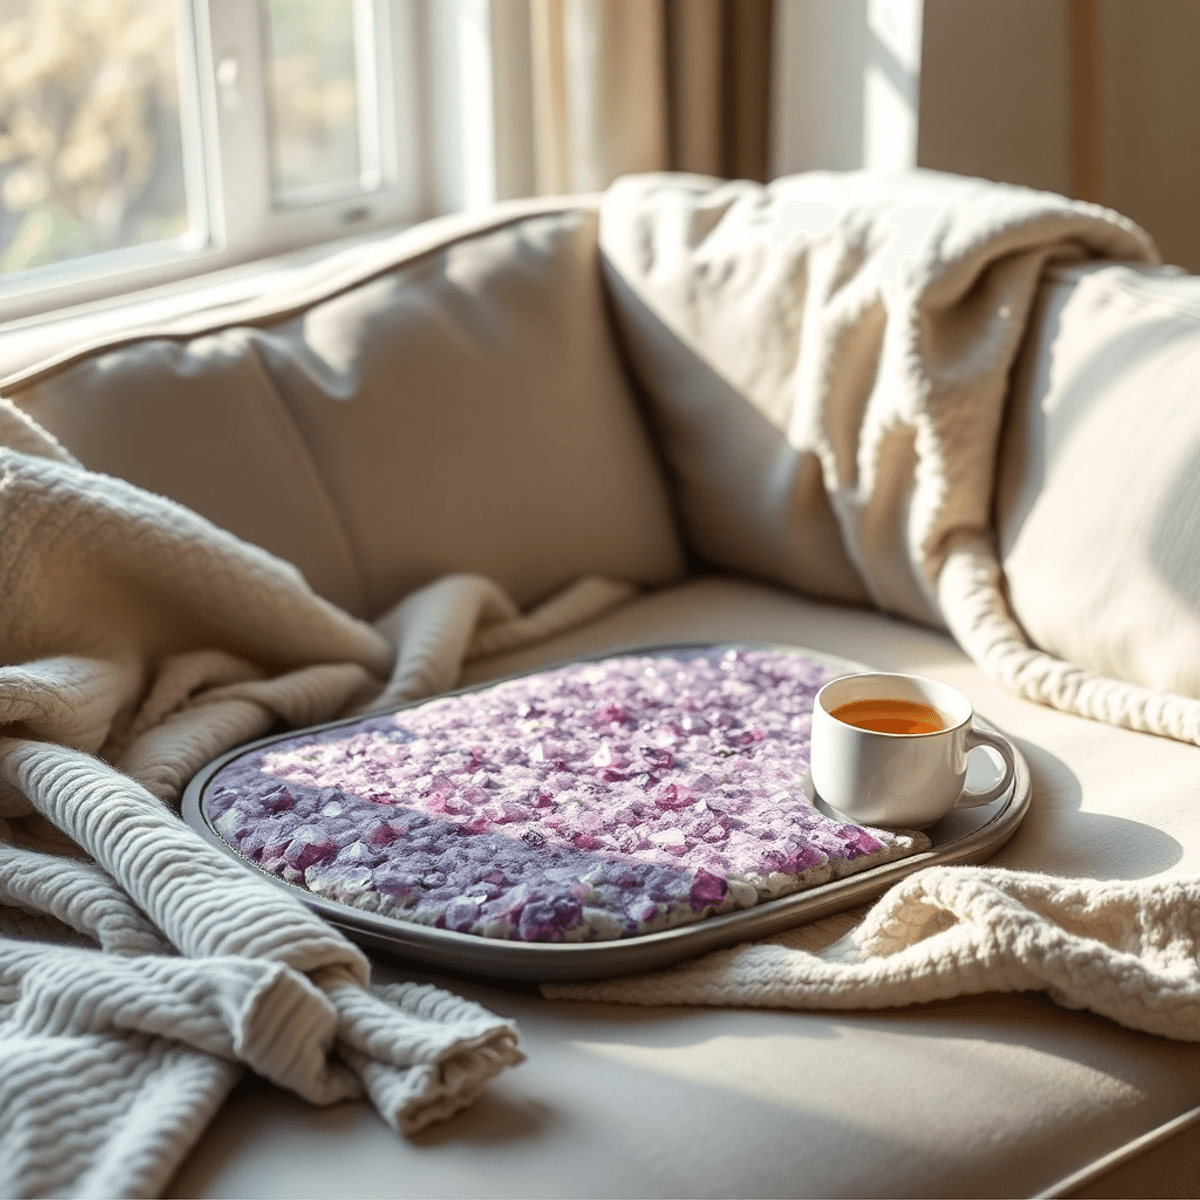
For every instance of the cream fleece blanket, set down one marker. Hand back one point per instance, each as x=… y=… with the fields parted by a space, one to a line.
x=139 y=969
x=827 y=359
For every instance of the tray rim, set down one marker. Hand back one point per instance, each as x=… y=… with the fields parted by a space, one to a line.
x=471 y=954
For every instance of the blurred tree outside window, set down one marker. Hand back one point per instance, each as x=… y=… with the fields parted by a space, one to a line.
x=91 y=144
x=148 y=143
x=314 y=97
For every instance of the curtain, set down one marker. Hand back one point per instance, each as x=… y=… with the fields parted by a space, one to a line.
x=643 y=85
x=1085 y=84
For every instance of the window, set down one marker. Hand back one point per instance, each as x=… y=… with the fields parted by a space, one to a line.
x=145 y=140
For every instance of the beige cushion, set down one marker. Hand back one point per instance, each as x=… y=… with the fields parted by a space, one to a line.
x=989 y=1095
x=199 y=421
x=454 y=405
x=711 y=323
x=468 y=411
x=1098 y=501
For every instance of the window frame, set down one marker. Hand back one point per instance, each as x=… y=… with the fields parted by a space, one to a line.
x=234 y=219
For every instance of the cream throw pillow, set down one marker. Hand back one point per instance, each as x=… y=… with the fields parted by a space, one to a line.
x=1098 y=492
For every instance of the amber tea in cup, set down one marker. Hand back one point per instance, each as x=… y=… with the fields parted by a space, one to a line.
x=864 y=773
x=889 y=715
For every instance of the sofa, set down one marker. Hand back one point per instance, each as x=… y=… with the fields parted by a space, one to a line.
x=470 y=396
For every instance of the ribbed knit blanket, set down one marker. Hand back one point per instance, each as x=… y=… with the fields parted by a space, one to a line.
x=139 y=969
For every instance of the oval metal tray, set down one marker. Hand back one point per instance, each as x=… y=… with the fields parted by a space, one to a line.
x=965 y=836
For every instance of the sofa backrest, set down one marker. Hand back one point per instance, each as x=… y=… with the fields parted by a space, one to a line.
x=450 y=400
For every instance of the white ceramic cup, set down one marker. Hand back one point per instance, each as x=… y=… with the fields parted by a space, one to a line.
x=905 y=779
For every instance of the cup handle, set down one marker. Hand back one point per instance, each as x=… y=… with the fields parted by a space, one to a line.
x=980 y=737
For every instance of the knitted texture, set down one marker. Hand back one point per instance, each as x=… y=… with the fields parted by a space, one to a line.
x=139 y=641
x=1129 y=951
x=139 y=969
x=972 y=600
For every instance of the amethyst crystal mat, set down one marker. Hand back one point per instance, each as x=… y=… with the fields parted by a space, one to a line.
x=595 y=801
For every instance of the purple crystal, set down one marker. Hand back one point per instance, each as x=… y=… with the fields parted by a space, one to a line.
x=592 y=801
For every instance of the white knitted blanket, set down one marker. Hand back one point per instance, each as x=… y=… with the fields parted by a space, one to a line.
x=139 y=969
x=874 y=321
x=1129 y=951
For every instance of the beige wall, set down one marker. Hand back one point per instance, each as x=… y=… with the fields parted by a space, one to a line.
x=820 y=56
x=995 y=100
x=1150 y=119
x=845 y=88
x=994 y=95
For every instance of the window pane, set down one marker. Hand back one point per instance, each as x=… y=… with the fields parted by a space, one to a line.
x=313 y=92
x=91 y=146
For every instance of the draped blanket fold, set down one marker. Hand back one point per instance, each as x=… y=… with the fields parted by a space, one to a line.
x=1129 y=951
x=827 y=360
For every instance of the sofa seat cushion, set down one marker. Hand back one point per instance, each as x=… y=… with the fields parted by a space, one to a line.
x=988 y=1095
x=1099 y=548
x=454 y=402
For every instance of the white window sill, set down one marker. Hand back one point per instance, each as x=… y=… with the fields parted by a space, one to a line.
x=30 y=340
